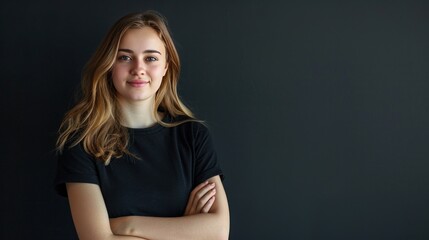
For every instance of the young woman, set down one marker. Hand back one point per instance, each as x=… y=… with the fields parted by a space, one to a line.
x=134 y=162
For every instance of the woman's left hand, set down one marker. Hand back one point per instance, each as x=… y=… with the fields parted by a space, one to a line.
x=201 y=199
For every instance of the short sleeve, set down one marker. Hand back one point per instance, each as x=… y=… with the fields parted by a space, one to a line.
x=74 y=165
x=206 y=165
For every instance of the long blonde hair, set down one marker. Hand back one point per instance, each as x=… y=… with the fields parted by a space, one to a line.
x=95 y=119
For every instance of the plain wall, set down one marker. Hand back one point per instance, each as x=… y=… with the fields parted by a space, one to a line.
x=319 y=110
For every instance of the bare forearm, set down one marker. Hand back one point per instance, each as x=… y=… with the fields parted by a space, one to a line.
x=108 y=236
x=213 y=224
x=199 y=226
x=121 y=237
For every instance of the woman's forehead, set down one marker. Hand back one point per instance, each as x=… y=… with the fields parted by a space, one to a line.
x=141 y=39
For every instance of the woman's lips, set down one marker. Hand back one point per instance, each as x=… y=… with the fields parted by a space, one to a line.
x=137 y=83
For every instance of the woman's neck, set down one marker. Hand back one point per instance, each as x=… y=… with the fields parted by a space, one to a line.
x=138 y=114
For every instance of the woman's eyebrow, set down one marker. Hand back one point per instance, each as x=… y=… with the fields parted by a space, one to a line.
x=145 y=51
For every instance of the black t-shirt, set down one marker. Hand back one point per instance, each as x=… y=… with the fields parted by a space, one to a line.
x=173 y=160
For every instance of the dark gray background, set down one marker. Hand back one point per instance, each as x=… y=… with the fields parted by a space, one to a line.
x=319 y=110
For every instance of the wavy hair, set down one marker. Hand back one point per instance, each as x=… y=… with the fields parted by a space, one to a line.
x=95 y=119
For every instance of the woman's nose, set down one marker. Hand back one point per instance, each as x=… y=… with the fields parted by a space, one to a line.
x=139 y=68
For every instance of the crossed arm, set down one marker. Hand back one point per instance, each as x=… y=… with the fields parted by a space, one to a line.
x=206 y=216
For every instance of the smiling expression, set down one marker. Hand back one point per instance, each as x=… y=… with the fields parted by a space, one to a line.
x=140 y=65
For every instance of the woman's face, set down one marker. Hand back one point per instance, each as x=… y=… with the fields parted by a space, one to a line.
x=140 y=65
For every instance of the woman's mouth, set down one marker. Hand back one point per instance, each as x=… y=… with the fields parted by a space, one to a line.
x=138 y=83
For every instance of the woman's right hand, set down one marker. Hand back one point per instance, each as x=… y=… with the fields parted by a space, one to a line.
x=201 y=199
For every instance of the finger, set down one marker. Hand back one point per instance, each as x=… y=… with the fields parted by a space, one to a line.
x=199 y=202
x=205 y=199
x=198 y=195
x=192 y=196
x=198 y=188
x=208 y=205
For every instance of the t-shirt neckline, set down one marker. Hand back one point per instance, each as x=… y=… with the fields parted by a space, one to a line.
x=152 y=129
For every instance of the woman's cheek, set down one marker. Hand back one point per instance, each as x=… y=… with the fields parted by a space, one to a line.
x=157 y=70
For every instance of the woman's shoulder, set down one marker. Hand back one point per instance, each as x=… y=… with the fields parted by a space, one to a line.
x=190 y=126
x=188 y=122
x=74 y=151
x=178 y=118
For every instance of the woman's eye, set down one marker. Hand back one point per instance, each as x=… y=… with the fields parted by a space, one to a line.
x=124 y=58
x=151 y=59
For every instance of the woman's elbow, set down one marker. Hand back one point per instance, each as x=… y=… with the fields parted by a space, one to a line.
x=223 y=234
